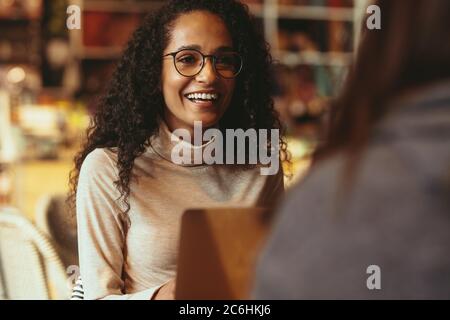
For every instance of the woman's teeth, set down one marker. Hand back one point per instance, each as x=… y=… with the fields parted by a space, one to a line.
x=202 y=96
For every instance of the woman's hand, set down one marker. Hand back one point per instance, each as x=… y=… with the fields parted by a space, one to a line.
x=166 y=292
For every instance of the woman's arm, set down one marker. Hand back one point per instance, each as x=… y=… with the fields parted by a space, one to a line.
x=101 y=232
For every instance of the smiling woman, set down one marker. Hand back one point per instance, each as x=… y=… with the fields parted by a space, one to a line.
x=198 y=30
x=192 y=61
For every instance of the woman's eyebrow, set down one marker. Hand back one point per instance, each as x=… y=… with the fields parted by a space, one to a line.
x=197 y=47
x=192 y=46
x=224 y=49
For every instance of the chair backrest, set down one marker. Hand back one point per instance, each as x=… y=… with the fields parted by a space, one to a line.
x=77 y=290
x=54 y=220
x=29 y=265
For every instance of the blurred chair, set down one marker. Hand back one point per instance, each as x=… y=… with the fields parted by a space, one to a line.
x=29 y=265
x=2 y=284
x=53 y=218
x=77 y=290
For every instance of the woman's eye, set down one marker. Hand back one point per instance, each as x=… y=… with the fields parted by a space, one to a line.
x=225 y=61
x=187 y=59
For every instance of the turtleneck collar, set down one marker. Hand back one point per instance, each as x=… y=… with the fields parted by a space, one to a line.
x=164 y=141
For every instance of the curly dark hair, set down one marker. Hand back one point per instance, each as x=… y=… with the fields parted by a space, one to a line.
x=130 y=111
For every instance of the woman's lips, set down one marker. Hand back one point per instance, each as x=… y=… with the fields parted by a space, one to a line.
x=202 y=103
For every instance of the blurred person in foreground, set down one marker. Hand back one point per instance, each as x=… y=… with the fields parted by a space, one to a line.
x=379 y=191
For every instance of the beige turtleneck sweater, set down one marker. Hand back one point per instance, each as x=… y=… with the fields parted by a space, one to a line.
x=130 y=258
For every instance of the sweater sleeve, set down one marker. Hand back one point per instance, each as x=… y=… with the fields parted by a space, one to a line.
x=101 y=232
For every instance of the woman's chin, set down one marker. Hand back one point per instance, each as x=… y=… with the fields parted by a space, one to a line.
x=206 y=121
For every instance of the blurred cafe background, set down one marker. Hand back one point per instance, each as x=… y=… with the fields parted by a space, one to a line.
x=51 y=77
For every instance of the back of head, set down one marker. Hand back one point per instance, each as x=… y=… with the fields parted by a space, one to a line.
x=411 y=50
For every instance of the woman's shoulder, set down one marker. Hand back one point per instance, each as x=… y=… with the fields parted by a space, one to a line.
x=100 y=160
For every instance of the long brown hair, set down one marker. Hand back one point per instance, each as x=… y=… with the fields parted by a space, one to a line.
x=133 y=104
x=411 y=49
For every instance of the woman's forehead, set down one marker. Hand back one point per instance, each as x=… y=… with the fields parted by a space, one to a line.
x=202 y=29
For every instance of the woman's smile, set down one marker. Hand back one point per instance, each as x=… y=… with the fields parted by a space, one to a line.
x=204 y=98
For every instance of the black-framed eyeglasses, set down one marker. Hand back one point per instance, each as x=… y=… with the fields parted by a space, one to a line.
x=190 y=62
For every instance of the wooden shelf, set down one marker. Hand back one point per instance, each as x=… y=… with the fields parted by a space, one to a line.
x=125 y=6
x=341 y=59
x=99 y=53
x=256 y=9
x=316 y=13
x=19 y=19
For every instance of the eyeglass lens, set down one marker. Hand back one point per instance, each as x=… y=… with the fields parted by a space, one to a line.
x=190 y=63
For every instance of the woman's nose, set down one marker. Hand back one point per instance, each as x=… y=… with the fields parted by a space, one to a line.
x=208 y=73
